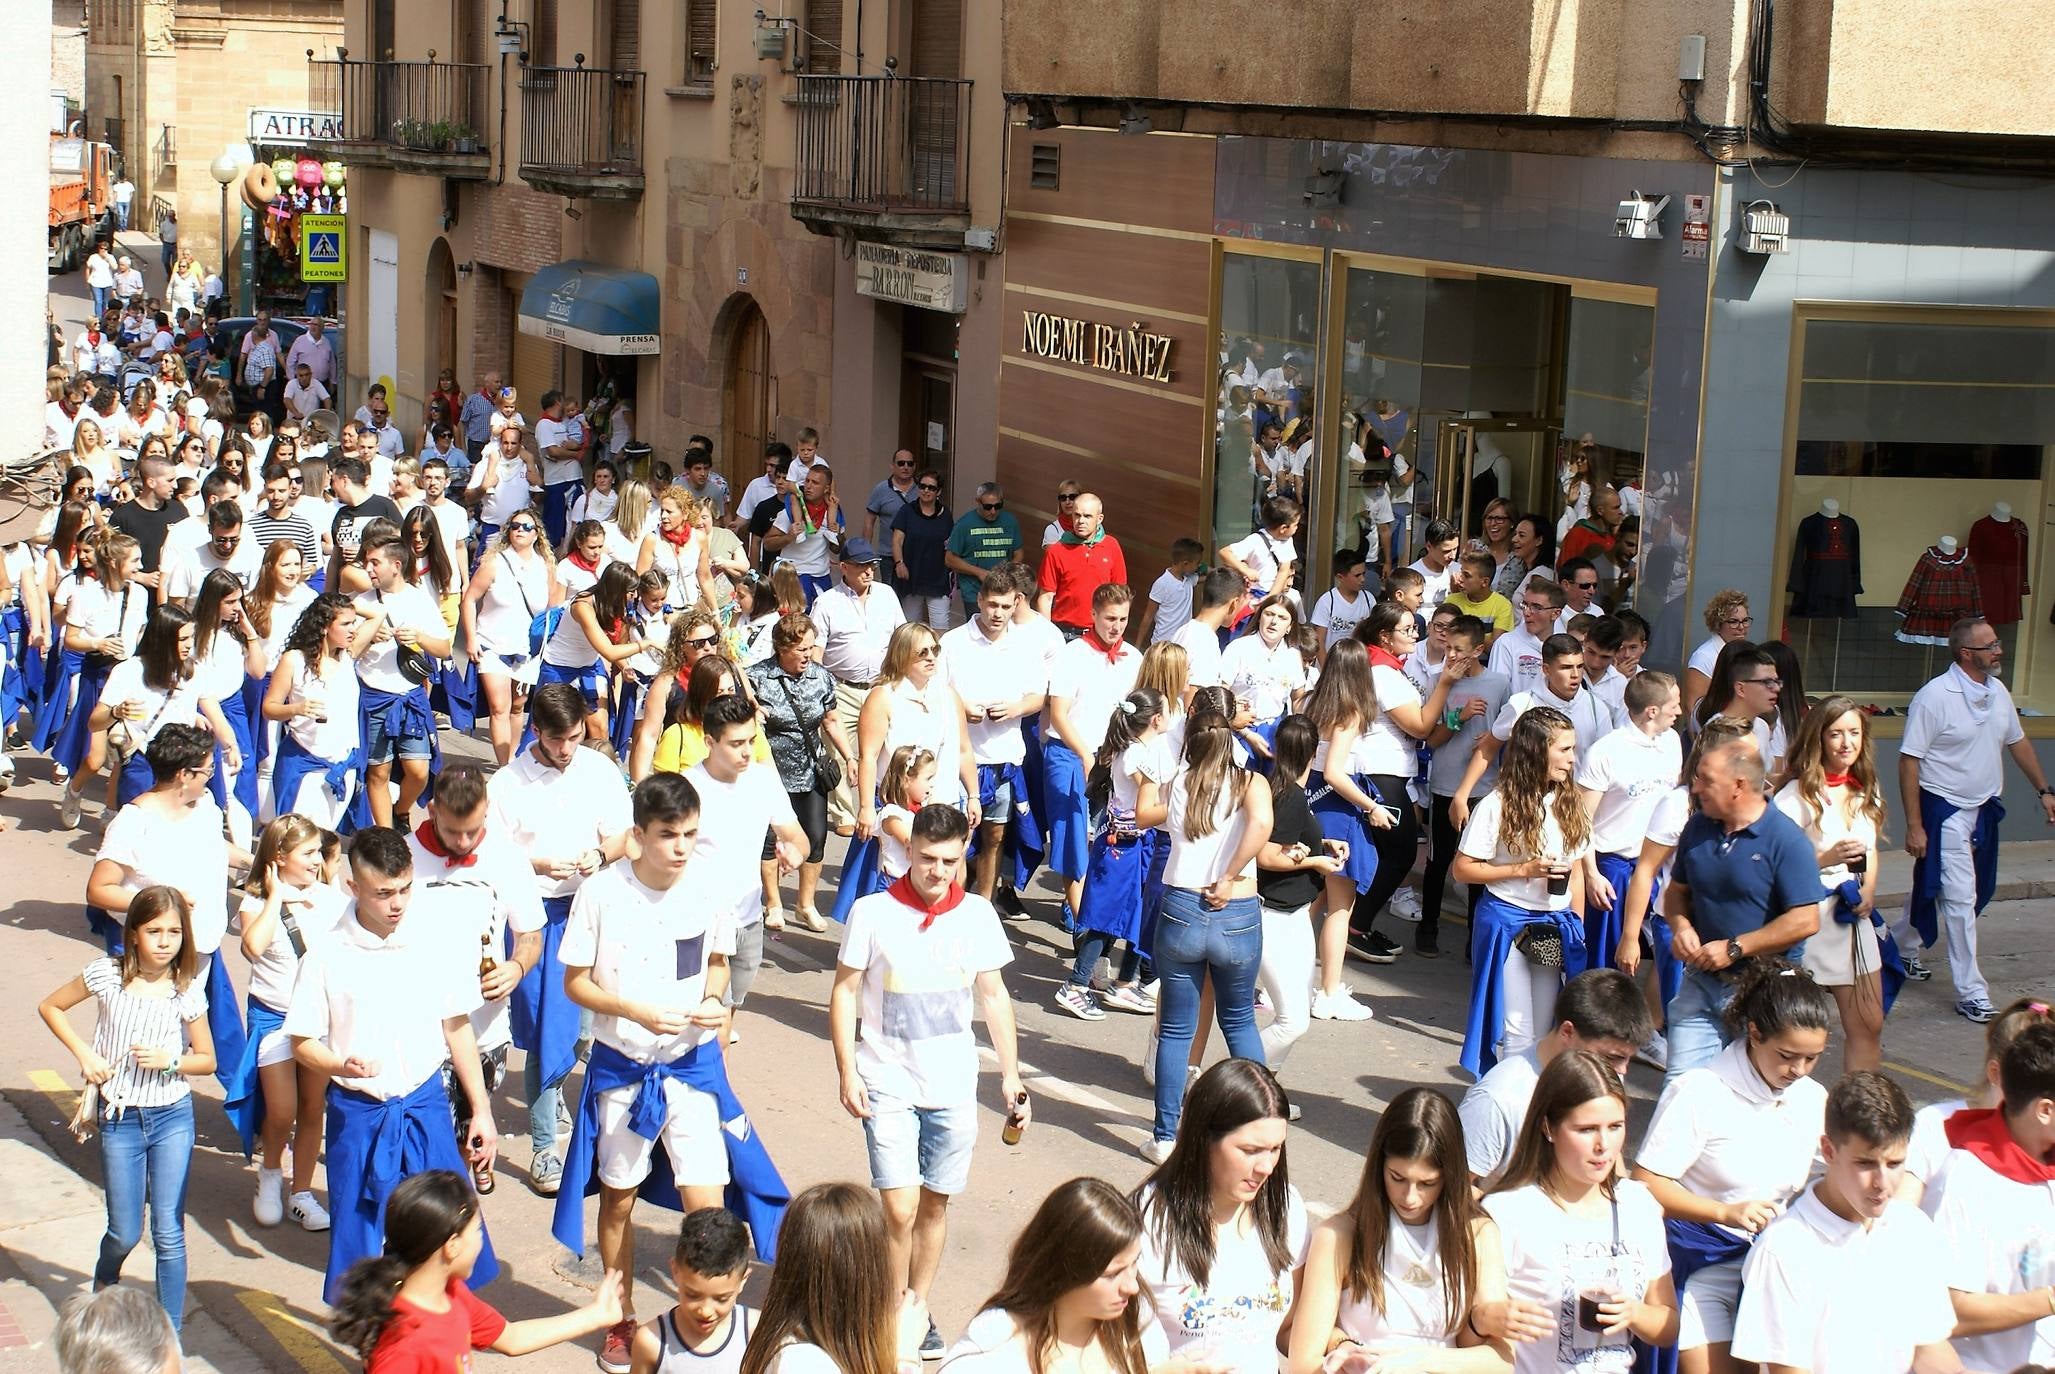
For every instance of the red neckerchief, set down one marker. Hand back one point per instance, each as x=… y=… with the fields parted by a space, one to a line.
x=1837 y=779
x=815 y=514
x=1112 y=651
x=678 y=540
x=580 y=560
x=93 y=337
x=616 y=632
x=432 y=842
x=70 y=410
x=1982 y=1132
x=902 y=888
x=1380 y=656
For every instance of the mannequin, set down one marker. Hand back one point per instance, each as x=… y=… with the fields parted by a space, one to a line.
x=1826 y=565
x=1998 y=543
x=1942 y=589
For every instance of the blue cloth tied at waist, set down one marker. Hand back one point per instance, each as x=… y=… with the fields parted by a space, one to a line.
x=1694 y=1245
x=756 y=1192
x=235 y=709
x=246 y=1097
x=295 y=765
x=1934 y=812
x=1847 y=898
x=544 y=1019
x=1495 y=926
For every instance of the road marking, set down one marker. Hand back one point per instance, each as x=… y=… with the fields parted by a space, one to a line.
x=1062 y=1089
x=292 y=1333
x=63 y=1097
x=1923 y=1076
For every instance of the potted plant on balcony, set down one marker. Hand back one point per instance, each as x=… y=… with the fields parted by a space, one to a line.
x=463 y=139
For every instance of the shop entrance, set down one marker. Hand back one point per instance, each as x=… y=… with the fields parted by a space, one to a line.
x=1478 y=461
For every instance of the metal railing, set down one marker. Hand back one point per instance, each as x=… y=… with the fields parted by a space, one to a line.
x=424 y=107
x=581 y=121
x=884 y=144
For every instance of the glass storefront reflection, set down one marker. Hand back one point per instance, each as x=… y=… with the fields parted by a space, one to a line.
x=1270 y=355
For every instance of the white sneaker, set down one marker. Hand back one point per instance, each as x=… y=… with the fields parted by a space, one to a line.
x=270 y=1204
x=1654 y=1051
x=307 y=1210
x=1149 y=1057
x=774 y=918
x=68 y=810
x=1341 y=1006
x=1405 y=903
x=1156 y=1151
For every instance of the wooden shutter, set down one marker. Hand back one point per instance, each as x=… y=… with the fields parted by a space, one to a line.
x=700 y=33
x=824 y=37
x=542 y=48
x=624 y=36
x=937 y=38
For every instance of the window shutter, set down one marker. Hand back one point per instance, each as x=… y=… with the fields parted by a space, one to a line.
x=937 y=38
x=543 y=47
x=700 y=33
x=625 y=36
x=824 y=40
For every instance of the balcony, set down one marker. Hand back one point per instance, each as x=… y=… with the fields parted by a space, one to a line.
x=581 y=131
x=884 y=153
x=428 y=118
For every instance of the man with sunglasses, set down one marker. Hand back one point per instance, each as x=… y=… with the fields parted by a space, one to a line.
x=986 y=536
x=889 y=497
x=1951 y=768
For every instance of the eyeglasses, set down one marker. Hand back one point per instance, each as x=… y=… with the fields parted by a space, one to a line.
x=1984 y=648
x=1538 y=607
x=1739 y=620
x=1495 y=519
x=522 y=527
x=1759 y=682
x=991 y=507
x=702 y=641
x=926 y=486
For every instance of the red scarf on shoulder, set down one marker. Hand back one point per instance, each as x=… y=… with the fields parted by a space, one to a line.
x=1981 y=1131
x=1112 y=651
x=1380 y=656
x=680 y=539
x=432 y=842
x=902 y=888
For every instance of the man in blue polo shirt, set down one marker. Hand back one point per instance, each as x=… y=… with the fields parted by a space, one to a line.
x=1746 y=885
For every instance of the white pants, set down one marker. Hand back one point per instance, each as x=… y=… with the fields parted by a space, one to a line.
x=1530 y=1002
x=932 y=611
x=1956 y=909
x=1287 y=976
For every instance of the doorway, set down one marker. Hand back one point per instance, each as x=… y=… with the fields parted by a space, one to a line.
x=751 y=421
x=1478 y=461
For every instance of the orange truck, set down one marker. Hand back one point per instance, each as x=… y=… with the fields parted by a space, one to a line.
x=81 y=206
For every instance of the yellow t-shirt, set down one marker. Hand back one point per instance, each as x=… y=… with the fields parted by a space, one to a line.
x=684 y=744
x=1494 y=610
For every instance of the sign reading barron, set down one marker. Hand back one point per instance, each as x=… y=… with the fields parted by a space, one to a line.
x=294 y=126
x=931 y=281
x=1129 y=352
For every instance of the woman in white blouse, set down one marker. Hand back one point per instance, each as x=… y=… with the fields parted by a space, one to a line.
x=314 y=696
x=515 y=582
x=1835 y=796
x=911 y=703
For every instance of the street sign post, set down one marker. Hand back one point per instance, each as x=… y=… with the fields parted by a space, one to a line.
x=322 y=239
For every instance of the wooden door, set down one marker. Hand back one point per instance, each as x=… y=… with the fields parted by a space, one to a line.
x=751 y=421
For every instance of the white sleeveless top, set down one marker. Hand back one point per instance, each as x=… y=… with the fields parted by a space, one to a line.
x=1415 y=1309
x=926 y=719
x=1196 y=864
x=570 y=646
x=679 y=563
x=504 y=613
x=334 y=738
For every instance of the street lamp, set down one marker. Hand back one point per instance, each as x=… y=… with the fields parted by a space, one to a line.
x=226 y=170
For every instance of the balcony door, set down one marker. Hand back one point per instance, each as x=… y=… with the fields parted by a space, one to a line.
x=936 y=51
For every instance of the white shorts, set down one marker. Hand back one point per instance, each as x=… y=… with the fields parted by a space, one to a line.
x=1706 y=1314
x=691 y=1137
x=275 y=1048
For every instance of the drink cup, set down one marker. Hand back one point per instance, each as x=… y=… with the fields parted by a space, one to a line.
x=1559 y=880
x=1588 y=1301
x=1859 y=865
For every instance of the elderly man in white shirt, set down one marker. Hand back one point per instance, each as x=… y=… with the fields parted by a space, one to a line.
x=1002 y=680
x=854 y=620
x=1951 y=768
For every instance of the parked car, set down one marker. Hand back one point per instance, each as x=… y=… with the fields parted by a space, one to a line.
x=229 y=333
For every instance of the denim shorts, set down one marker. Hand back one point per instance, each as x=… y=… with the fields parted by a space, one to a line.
x=999 y=810
x=379 y=746
x=928 y=1146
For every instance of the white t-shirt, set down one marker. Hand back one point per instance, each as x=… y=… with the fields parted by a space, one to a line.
x=1231 y=1321
x=1264 y=678
x=988 y=672
x=807 y=553
x=385 y=1000
x=1091 y=686
x=1149 y=758
x=1630 y=771
x=1493 y=1110
x=646 y=946
x=100 y=614
x=1926 y=1156
x=509 y=493
x=179 y=706
x=315 y=911
x=1959 y=731
x=1724 y=1135
x=1201 y=645
x=1386 y=749
x=552 y=814
x=1481 y=840
x=1265 y=556
x=1588 y=716
x=453 y=525
x=477 y=902
x=1437 y=582
x=185 y=852
x=1997 y=1237
x=548 y=435
x=733 y=817
x=1707 y=655
x=1197 y=864
x=1517 y=655
x=190 y=567
x=1551 y=1254
x=1832 y=1296
x=1172 y=596
x=412 y=607
x=1338 y=615
x=919 y=994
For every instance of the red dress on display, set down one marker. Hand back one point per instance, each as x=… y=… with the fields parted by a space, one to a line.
x=1999 y=552
x=1942 y=590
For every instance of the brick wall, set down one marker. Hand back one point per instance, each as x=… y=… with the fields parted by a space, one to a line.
x=514 y=227
x=492 y=330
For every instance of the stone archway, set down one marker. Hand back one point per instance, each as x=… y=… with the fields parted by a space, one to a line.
x=749 y=388
x=439 y=319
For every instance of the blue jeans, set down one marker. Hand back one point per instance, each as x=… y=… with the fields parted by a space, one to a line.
x=146 y=1153
x=1696 y=1034
x=100 y=295
x=121 y=213
x=1193 y=941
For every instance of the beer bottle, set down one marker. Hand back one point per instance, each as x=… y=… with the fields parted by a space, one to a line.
x=486 y=963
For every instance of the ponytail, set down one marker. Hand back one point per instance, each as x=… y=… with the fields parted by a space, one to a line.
x=1136 y=712
x=426 y=1212
x=1775 y=996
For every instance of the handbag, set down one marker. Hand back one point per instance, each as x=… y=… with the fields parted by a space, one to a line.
x=827 y=769
x=1541 y=945
x=124 y=741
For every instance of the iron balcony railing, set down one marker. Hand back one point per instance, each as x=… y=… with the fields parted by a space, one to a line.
x=423 y=107
x=581 y=121
x=884 y=144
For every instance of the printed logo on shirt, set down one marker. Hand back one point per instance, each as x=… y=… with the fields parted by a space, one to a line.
x=925 y=1013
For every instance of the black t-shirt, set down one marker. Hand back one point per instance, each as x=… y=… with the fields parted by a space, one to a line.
x=148 y=527
x=1291 y=822
x=348 y=528
x=927 y=540
x=762 y=519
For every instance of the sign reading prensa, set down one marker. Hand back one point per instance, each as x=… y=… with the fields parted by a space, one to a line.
x=321 y=248
x=1129 y=352
x=931 y=281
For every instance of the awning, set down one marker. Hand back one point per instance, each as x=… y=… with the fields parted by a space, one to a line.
x=598 y=309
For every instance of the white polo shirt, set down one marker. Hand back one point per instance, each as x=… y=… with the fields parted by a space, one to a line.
x=1997 y=1236
x=993 y=672
x=548 y=814
x=646 y=946
x=733 y=817
x=1832 y=1296
x=855 y=632
x=1959 y=730
x=1493 y=1110
x=476 y=900
x=1091 y=686
x=1587 y=714
x=1630 y=771
x=384 y=1000
x=1724 y=1136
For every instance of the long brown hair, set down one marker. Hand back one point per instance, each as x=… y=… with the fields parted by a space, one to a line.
x=1210 y=772
x=1077 y=1231
x=261 y=602
x=1571 y=1079
x=829 y=1287
x=281 y=837
x=1176 y=1201
x=1419 y=1124
x=1343 y=697
x=1524 y=789
x=1806 y=763
x=145 y=907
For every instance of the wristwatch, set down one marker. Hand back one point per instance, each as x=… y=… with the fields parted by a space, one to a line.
x=1734 y=953
x=2048 y=791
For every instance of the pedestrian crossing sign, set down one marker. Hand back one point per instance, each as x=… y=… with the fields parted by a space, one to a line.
x=321 y=248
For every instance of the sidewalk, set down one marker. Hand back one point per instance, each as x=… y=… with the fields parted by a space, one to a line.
x=2024 y=870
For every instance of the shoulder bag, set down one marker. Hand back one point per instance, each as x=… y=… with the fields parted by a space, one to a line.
x=827 y=769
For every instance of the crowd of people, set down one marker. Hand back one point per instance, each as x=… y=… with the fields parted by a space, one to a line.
x=682 y=695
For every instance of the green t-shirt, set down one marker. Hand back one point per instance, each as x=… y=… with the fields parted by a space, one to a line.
x=983 y=543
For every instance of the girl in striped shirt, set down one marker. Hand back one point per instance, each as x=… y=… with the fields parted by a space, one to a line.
x=151 y=1038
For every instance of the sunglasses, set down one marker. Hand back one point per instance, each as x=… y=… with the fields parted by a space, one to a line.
x=927 y=651
x=702 y=641
x=902 y=462
x=991 y=507
x=926 y=486
x=522 y=527
x=1066 y=496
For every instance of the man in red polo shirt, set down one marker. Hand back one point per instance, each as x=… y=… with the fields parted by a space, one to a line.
x=1077 y=565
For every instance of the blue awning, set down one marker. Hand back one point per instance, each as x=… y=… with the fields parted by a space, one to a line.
x=598 y=309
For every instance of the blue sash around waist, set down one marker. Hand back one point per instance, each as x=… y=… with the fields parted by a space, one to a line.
x=1494 y=926
x=246 y=1093
x=544 y=1018
x=295 y=765
x=1934 y=812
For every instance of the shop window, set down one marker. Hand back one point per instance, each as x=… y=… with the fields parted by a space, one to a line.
x=1381 y=482
x=1269 y=368
x=1916 y=494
